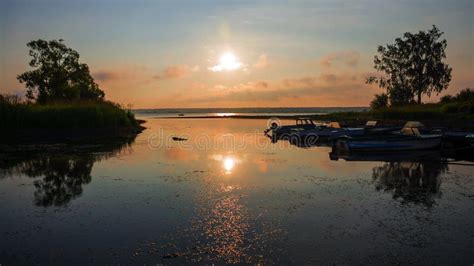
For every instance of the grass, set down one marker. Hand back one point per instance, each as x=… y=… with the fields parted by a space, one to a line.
x=65 y=115
x=456 y=114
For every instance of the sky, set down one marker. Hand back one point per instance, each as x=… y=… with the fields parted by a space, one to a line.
x=175 y=54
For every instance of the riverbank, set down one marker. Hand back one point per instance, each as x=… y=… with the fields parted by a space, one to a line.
x=459 y=115
x=25 y=122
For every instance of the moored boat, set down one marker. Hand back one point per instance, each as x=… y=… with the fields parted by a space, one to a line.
x=321 y=132
x=458 y=140
x=408 y=139
x=400 y=143
x=301 y=124
x=328 y=132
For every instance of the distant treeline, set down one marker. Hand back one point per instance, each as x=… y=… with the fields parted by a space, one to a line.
x=451 y=111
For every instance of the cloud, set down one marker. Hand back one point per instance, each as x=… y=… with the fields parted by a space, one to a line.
x=262 y=62
x=126 y=83
x=103 y=75
x=176 y=72
x=125 y=72
x=347 y=58
x=323 y=89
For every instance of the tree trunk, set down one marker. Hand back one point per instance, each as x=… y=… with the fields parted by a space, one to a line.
x=419 y=97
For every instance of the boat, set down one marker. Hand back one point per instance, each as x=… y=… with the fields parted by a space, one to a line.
x=400 y=143
x=373 y=128
x=282 y=132
x=300 y=123
x=320 y=135
x=407 y=139
x=330 y=130
x=458 y=140
x=308 y=132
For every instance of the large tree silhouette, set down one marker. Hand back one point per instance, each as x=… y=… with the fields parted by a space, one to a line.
x=413 y=66
x=58 y=75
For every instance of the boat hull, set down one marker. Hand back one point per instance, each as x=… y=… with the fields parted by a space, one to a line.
x=394 y=144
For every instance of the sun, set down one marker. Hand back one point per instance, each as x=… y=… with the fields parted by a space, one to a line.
x=227 y=62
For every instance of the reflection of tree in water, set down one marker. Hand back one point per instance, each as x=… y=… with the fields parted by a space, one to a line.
x=416 y=182
x=62 y=173
x=63 y=177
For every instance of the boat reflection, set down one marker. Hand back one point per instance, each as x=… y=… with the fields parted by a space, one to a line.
x=61 y=176
x=431 y=155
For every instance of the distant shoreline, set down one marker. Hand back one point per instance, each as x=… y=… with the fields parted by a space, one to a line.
x=231 y=116
x=258 y=111
x=388 y=117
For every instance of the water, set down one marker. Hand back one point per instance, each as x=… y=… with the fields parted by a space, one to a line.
x=267 y=112
x=228 y=195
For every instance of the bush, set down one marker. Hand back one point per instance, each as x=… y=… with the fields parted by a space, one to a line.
x=88 y=114
x=458 y=107
x=380 y=101
x=467 y=107
x=450 y=108
x=446 y=99
x=400 y=96
x=415 y=112
x=465 y=95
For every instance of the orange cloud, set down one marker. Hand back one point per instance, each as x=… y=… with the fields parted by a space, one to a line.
x=328 y=89
x=347 y=58
x=262 y=62
x=126 y=83
x=176 y=72
x=125 y=72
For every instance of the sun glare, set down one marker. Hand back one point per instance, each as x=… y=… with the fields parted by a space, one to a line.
x=227 y=62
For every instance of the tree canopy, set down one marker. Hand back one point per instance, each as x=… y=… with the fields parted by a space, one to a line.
x=379 y=101
x=58 y=74
x=413 y=66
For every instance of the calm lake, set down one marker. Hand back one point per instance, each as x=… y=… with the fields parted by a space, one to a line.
x=228 y=195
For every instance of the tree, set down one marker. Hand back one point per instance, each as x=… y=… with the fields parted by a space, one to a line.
x=413 y=64
x=446 y=99
x=58 y=75
x=380 y=101
x=399 y=96
x=464 y=95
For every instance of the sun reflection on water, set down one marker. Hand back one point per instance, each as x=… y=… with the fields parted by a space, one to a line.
x=229 y=164
x=225 y=114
